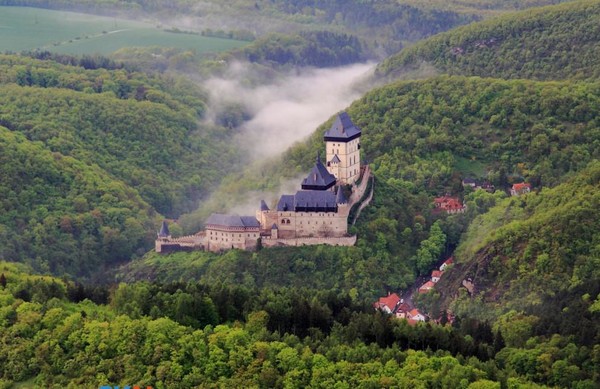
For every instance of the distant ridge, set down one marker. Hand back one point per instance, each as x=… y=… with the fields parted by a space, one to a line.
x=547 y=43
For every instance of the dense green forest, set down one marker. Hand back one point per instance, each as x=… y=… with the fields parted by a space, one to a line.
x=554 y=42
x=139 y=145
x=190 y=335
x=95 y=152
x=526 y=251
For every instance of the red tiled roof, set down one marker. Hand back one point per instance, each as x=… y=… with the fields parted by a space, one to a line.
x=436 y=273
x=448 y=203
x=389 y=301
x=521 y=186
x=449 y=261
x=426 y=287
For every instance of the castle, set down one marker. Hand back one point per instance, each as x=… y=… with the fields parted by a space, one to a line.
x=315 y=214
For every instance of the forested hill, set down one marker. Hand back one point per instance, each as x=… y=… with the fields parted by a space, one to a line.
x=537 y=255
x=554 y=42
x=421 y=138
x=136 y=137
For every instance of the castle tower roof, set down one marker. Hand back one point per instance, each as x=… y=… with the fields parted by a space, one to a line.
x=342 y=130
x=263 y=206
x=318 y=178
x=164 y=230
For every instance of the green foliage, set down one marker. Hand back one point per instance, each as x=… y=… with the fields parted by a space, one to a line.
x=554 y=42
x=92 y=156
x=57 y=342
x=313 y=48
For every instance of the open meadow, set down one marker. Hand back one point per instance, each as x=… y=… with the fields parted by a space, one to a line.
x=23 y=28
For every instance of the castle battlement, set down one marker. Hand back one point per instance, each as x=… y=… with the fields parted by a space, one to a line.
x=315 y=214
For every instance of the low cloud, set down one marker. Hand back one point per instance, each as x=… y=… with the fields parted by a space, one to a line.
x=289 y=108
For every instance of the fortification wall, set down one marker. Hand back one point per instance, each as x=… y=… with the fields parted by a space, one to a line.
x=340 y=241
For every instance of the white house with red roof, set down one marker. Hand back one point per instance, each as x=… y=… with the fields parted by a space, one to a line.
x=436 y=275
x=449 y=204
x=426 y=287
x=447 y=262
x=519 y=189
x=415 y=315
x=388 y=304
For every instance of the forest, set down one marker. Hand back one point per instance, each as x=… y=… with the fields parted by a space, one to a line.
x=547 y=43
x=195 y=335
x=96 y=151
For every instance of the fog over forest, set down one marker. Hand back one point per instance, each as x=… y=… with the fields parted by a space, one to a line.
x=288 y=109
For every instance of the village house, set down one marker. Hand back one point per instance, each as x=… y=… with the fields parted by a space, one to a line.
x=388 y=304
x=448 y=262
x=519 y=189
x=416 y=315
x=448 y=204
x=426 y=287
x=436 y=275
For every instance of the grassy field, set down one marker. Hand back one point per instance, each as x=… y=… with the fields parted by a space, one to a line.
x=23 y=28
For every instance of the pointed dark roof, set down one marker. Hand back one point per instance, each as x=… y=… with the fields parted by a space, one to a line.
x=318 y=178
x=263 y=206
x=274 y=226
x=164 y=230
x=342 y=130
x=218 y=219
x=335 y=159
x=340 y=198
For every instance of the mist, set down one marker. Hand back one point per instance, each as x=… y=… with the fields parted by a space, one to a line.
x=287 y=109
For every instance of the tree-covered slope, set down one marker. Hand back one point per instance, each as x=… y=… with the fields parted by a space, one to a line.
x=421 y=138
x=554 y=42
x=137 y=134
x=64 y=216
x=537 y=253
x=182 y=335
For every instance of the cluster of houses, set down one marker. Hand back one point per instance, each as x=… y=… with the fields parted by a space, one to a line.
x=394 y=305
x=453 y=205
x=436 y=275
x=401 y=309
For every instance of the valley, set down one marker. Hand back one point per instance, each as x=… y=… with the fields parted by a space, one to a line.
x=480 y=127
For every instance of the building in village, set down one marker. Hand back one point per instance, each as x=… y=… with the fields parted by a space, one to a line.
x=520 y=189
x=448 y=204
x=316 y=214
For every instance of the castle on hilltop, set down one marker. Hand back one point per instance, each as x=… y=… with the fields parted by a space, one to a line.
x=315 y=214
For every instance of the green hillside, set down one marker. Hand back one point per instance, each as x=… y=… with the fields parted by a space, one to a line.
x=183 y=335
x=140 y=132
x=421 y=138
x=527 y=250
x=554 y=42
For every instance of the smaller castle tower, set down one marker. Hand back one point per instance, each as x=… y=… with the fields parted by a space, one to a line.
x=342 y=145
x=163 y=236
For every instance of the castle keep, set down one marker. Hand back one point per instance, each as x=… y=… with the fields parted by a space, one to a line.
x=315 y=214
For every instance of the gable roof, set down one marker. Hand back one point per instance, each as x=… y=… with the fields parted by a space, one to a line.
x=222 y=220
x=390 y=301
x=426 y=287
x=436 y=273
x=335 y=159
x=318 y=178
x=342 y=130
x=521 y=186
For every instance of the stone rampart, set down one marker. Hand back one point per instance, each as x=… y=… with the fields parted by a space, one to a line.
x=340 y=241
